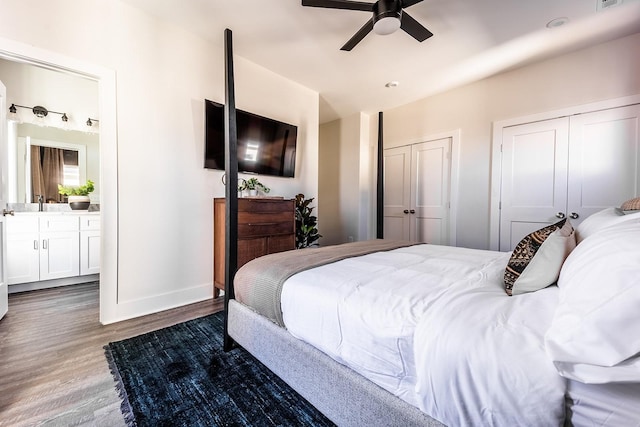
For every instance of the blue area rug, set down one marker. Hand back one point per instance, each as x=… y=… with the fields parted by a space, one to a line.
x=180 y=376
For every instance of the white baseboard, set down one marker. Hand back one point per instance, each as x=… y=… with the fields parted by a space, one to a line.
x=157 y=303
x=46 y=284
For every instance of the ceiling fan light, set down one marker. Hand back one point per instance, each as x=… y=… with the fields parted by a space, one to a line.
x=386 y=25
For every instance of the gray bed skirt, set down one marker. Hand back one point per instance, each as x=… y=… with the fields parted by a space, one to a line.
x=344 y=396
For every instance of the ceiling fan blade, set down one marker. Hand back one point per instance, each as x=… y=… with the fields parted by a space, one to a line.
x=408 y=3
x=414 y=28
x=366 y=29
x=340 y=4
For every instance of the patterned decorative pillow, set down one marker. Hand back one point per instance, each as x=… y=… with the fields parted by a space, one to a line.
x=631 y=205
x=537 y=259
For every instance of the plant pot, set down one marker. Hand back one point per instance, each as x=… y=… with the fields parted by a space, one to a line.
x=79 y=203
x=253 y=193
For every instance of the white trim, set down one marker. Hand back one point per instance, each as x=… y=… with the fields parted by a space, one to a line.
x=570 y=111
x=496 y=150
x=456 y=137
x=106 y=78
x=179 y=298
x=454 y=171
x=53 y=283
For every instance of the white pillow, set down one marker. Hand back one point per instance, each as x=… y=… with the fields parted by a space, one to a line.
x=595 y=333
x=536 y=261
x=601 y=220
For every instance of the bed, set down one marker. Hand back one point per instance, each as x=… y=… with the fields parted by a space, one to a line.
x=395 y=333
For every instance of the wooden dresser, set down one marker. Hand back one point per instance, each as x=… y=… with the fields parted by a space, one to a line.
x=265 y=226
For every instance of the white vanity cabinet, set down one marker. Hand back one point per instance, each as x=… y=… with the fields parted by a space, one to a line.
x=89 y=244
x=52 y=246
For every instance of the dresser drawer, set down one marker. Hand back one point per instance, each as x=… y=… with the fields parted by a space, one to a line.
x=264 y=229
x=264 y=206
x=254 y=218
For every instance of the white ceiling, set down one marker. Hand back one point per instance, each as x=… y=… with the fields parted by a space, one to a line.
x=472 y=39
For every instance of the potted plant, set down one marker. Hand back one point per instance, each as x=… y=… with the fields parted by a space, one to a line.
x=253 y=186
x=306 y=223
x=78 y=197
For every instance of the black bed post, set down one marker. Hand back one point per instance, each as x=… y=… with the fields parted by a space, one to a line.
x=231 y=189
x=380 y=189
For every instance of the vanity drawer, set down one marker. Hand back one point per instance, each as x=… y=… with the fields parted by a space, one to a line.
x=89 y=222
x=59 y=223
x=22 y=224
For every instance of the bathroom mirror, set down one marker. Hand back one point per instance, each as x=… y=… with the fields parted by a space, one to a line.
x=41 y=156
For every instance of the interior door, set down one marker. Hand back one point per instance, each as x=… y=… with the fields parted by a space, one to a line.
x=430 y=181
x=4 y=288
x=604 y=160
x=397 y=193
x=534 y=178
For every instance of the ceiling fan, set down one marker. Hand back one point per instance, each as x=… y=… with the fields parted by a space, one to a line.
x=388 y=16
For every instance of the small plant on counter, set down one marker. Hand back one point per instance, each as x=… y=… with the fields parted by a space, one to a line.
x=82 y=190
x=253 y=184
x=306 y=223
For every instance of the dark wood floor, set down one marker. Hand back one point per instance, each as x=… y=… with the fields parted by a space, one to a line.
x=52 y=366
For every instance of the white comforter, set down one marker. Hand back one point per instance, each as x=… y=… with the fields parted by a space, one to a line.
x=433 y=325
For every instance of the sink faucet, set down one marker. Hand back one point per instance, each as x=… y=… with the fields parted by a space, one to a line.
x=40 y=202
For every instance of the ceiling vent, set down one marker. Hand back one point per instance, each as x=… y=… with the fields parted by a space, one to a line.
x=605 y=4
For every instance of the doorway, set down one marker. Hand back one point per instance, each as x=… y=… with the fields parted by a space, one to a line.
x=18 y=52
x=420 y=190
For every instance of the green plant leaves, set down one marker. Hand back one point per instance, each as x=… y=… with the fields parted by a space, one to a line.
x=82 y=190
x=306 y=223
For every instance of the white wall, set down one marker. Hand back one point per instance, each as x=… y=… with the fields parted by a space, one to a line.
x=605 y=71
x=29 y=86
x=163 y=74
x=347 y=185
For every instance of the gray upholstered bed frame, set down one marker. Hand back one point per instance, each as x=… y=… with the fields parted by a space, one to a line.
x=344 y=396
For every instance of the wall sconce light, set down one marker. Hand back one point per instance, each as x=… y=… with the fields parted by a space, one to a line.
x=39 y=111
x=91 y=121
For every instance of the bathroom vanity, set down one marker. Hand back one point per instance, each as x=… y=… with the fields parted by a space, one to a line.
x=46 y=249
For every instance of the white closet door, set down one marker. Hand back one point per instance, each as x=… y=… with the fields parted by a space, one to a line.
x=604 y=160
x=397 y=177
x=430 y=181
x=534 y=178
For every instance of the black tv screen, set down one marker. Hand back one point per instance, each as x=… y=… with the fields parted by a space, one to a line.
x=265 y=146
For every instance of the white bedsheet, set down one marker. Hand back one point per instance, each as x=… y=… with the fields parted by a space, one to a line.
x=433 y=325
x=604 y=405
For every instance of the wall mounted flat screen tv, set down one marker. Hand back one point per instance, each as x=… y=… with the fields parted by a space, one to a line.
x=265 y=146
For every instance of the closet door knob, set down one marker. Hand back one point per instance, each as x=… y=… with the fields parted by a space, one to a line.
x=560 y=215
x=412 y=211
x=574 y=215
x=406 y=211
